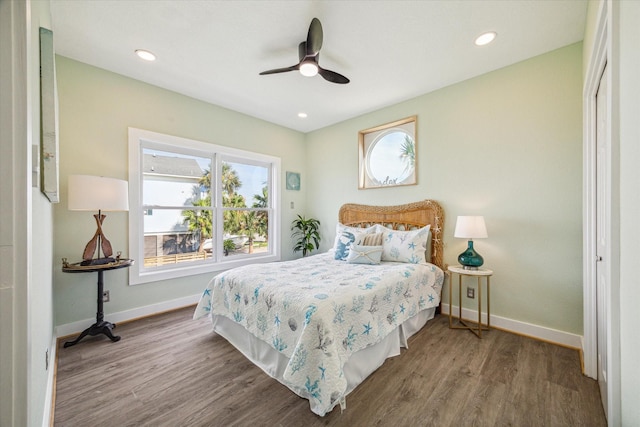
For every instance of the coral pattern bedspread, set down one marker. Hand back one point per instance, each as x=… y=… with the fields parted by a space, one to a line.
x=317 y=311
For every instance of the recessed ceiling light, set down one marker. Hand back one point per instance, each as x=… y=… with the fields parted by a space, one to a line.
x=485 y=38
x=302 y=115
x=145 y=54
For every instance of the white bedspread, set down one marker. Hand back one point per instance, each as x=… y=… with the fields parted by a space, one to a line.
x=318 y=311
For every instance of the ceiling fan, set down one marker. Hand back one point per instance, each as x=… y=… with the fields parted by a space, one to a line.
x=309 y=54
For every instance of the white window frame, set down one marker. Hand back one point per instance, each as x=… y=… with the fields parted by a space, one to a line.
x=139 y=138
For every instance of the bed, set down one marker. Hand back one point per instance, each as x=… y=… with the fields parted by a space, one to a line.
x=322 y=324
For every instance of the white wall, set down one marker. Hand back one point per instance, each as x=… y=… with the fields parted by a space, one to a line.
x=14 y=191
x=506 y=145
x=40 y=307
x=626 y=45
x=96 y=108
x=27 y=226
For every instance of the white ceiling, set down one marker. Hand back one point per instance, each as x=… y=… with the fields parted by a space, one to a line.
x=390 y=50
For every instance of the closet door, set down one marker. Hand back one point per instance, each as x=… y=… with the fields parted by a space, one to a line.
x=602 y=237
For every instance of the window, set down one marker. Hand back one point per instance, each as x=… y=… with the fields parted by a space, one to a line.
x=391 y=158
x=387 y=155
x=198 y=207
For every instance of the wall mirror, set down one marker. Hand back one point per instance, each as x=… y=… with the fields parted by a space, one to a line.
x=387 y=155
x=49 y=162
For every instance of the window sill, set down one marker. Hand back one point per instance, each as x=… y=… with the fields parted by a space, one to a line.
x=138 y=276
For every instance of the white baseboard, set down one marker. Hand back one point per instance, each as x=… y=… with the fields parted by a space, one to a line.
x=123 y=316
x=539 y=332
x=565 y=339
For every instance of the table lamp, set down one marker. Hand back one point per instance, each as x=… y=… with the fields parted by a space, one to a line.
x=470 y=227
x=97 y=193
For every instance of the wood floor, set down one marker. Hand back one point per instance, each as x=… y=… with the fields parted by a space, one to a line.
x=169 y=370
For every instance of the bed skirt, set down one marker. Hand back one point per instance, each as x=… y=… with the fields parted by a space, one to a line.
x=359 y=366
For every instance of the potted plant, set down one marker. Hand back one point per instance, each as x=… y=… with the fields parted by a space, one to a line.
x=306 y=234
x=228 y=245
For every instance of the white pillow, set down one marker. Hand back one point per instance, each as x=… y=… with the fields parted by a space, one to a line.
x=364 y=254
x=346 y=236
x=405 y=246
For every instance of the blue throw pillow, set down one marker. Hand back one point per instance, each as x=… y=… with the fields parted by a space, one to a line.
x=344 y=241
x=364 y=255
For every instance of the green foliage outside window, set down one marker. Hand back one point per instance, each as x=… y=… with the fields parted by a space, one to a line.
x=249 y=223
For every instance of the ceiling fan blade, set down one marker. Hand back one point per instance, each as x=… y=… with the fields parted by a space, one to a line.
x=314 y=37
x=280 y=70
x=302 y=51
x=332 y=76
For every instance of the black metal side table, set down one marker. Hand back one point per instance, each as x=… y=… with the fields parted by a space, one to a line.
x=100 y=266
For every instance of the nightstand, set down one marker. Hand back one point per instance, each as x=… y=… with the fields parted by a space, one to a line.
x=101 y=326
x=466 y=324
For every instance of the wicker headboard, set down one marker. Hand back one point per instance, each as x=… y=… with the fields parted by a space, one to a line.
x=401 y=217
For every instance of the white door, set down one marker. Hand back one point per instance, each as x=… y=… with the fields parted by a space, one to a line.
x=602 y=263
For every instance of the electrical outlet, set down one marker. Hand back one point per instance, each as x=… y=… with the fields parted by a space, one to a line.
x=471 y=293
x=105 y=296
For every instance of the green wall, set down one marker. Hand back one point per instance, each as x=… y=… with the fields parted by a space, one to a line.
x=506 y=145
x=96 y=108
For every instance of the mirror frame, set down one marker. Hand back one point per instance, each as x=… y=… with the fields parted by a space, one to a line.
x=366 y=139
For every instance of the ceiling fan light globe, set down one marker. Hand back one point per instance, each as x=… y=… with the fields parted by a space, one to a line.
x=308 y=69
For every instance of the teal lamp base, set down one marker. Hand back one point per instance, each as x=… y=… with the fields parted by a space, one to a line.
x=470 y=259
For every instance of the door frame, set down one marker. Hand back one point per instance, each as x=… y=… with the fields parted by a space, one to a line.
x=595 y=68
x=15 y=221
x=600 y=57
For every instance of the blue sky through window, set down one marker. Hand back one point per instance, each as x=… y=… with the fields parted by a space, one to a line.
x=386 y=163
x=252 y=177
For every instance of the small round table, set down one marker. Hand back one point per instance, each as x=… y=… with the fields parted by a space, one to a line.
x=100 y=266
x=462 y=324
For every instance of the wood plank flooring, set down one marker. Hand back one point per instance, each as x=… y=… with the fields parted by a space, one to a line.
x=169 y=370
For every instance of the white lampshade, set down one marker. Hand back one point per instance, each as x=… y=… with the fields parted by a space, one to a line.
x=93 y=193
x=470 y=227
